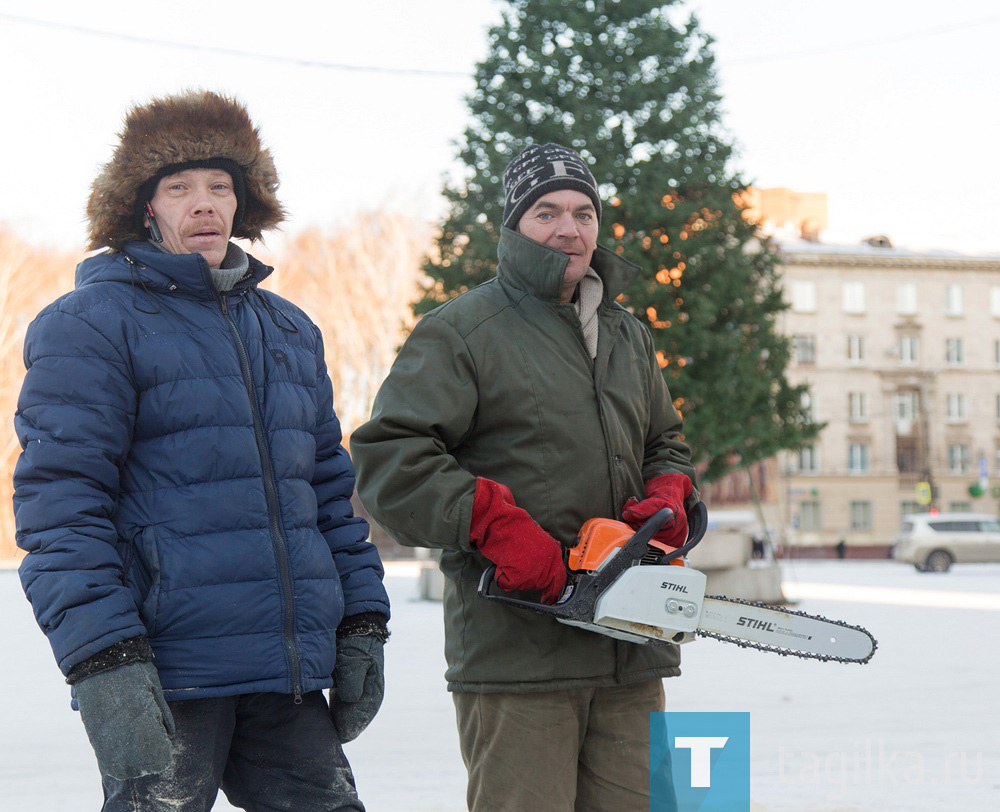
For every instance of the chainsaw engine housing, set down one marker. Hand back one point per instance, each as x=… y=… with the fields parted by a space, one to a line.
x=649 y=603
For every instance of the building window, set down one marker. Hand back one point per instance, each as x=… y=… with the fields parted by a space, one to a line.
x=856 y=349
x=804 y=297
x=998 y=408
x=953 y=351
x=857 y=407
x=904 y=405
x=958 y=458
x=954 y=408
x=854 y=297
x=995 y=301
x=953 y=300
x=908 y=349
x=996 y=352
x=861 y=515
x=805 y=349
x=960 y=507
x=812 y=515
x=906 y=508
x=906 y=299
x=857 y=458
x=808 y=459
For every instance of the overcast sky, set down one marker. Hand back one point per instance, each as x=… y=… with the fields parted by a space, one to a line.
x=889 y=108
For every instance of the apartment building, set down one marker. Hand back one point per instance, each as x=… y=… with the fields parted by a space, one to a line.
x=901 y=352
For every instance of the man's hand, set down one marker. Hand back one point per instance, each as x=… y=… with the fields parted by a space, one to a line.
x=127 y=720
x=359 y=676
x=666 y=490
x=526 y=556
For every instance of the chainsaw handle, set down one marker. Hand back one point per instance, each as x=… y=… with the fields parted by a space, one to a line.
x=486 y=581
x=648 y=529
x=697 y=525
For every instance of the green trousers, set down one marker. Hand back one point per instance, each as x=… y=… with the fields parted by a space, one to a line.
x=584 y=750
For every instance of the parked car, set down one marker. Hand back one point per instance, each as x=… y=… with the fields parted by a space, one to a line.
x=933 y=542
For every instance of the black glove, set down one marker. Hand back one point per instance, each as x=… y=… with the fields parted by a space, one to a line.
x=126 y=717
x=359 y=676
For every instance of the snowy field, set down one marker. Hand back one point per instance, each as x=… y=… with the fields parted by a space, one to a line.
x=916 y=729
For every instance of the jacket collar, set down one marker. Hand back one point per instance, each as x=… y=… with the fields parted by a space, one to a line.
x=184 y=274
x=537 y=269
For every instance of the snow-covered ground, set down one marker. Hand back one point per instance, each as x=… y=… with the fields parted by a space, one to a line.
x=916 y=729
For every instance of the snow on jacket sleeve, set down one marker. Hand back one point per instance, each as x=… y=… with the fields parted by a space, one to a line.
x=357 y=559
x=74 y=421
x=408 y=480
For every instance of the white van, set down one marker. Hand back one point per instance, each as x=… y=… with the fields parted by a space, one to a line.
x=932 y=543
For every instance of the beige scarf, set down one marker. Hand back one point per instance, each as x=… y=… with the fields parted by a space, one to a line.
x=589 y=293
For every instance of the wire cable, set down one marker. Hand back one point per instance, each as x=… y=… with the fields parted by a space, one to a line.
x=305 y=63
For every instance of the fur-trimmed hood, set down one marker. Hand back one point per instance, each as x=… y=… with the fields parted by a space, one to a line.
x=191 y=126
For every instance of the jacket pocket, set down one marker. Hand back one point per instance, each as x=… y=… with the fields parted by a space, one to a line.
x=143 y=576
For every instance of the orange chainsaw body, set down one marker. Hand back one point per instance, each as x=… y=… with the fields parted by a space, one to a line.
x=599 y=539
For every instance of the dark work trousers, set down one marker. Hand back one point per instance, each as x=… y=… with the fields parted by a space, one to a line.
x=263 y=750
x=581 y=750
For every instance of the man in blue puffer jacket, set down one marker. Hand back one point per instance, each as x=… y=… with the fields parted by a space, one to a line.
x=183 y=495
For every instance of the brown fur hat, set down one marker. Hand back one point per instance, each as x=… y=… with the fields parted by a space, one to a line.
x=191 y=126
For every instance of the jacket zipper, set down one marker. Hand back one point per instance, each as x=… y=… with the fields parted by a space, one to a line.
x=614 y=459
x=614 y=470
x=280 y=543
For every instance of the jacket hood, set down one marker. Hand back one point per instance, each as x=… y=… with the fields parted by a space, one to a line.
x=192 y=126
x=538 y=269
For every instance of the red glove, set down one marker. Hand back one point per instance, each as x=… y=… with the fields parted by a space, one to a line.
x=666 y=490
x=526 y=556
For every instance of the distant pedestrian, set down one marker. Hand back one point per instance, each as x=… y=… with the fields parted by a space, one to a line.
x=842 y=549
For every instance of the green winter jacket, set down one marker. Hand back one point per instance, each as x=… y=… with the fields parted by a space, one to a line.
x=498 y=383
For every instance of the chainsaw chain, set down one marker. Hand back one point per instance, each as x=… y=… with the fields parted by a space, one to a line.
x=785 y=652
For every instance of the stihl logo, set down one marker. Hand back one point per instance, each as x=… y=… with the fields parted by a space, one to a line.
x=750 y=623
x=674 y=587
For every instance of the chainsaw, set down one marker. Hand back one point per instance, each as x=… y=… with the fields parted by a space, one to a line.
x=627 y=585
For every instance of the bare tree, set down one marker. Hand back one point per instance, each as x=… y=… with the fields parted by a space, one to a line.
x=29 y=279
x=357 y=284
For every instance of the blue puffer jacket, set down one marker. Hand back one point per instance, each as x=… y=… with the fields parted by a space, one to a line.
x=183 y=478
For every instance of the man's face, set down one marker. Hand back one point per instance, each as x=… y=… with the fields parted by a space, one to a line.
x=194 y=210
x=567 y=221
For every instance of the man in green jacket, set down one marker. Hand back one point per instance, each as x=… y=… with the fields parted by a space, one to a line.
x=513 y=414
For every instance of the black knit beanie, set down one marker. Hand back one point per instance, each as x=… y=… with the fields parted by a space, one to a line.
x=148 y=189
x=540 y=169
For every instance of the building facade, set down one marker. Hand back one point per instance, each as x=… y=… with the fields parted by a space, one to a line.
x=901 y=352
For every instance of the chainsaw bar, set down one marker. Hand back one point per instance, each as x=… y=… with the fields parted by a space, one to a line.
x=784 y=631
